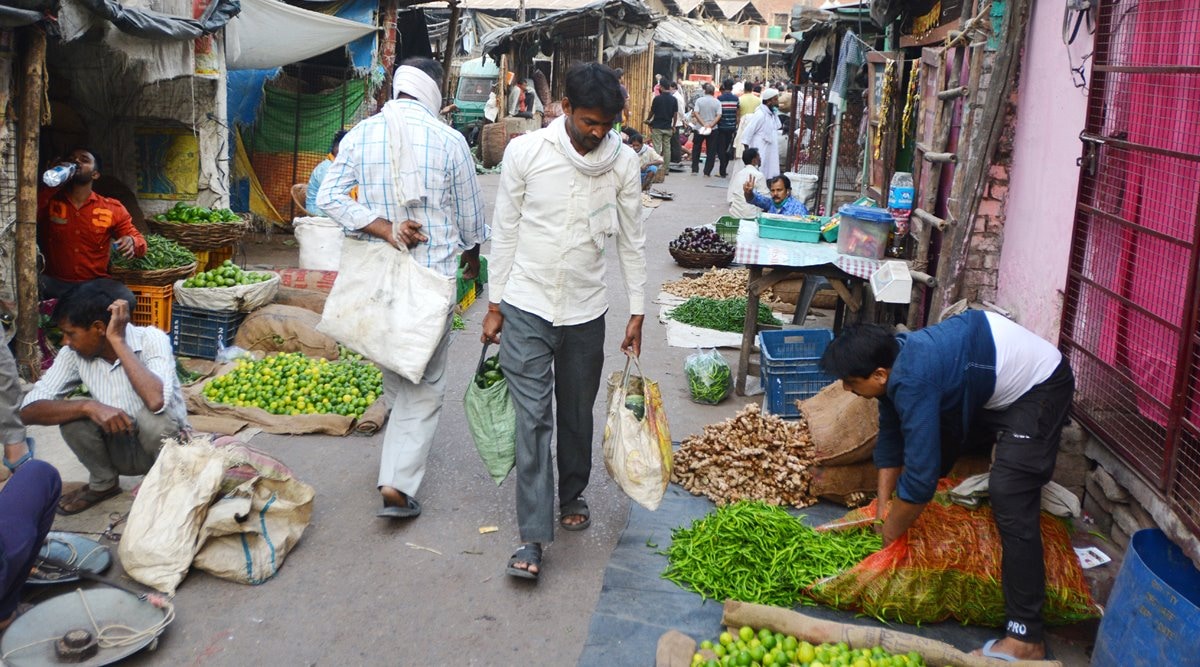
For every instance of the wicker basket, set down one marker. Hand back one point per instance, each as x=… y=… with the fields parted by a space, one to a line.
x=701 y=260
x=155 y=278
x=204 y=235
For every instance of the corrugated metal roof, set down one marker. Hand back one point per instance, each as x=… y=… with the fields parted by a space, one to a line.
x=698 y=39
x=548 y=5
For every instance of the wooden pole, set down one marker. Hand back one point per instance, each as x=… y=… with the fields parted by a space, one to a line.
x=448 y=52
x=29 y=129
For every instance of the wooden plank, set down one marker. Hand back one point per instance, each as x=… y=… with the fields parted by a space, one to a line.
x=987 y=126
x=29 y=132
x=749 y=329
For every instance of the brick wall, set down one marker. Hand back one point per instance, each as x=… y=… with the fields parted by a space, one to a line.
x=983 y=261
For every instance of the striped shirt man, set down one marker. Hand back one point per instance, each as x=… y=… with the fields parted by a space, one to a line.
x=452 y=215
x=108 y=383
x=729 y=111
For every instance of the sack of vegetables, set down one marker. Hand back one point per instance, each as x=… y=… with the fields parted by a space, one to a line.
x=708 y=376
x=491 y=417
x=637 y=439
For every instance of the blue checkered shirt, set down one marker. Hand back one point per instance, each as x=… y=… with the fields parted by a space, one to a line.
x=452 y=215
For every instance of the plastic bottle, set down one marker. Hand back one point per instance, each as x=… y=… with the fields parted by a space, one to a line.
x=58 y=174
x=900 y=204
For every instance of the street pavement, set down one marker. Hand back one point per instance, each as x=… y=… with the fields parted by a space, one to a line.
x=359 y=590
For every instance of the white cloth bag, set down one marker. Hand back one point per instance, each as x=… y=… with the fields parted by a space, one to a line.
x=387 y=307
x=320 y=242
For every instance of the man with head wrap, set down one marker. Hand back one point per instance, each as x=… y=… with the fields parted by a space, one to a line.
x=416 y=186
x=564 y=191
x=762 y=132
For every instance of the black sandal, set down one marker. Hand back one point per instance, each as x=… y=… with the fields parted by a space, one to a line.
x=577 y=507
x=530 y=554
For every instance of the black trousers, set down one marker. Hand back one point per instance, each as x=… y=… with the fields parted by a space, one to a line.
x=676 y=147
x=723 y=145
x=1026 y=437
x=710 y=154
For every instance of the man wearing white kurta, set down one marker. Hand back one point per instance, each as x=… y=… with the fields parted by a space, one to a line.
x=416 y=186
x=762 y=132
x=564 y=190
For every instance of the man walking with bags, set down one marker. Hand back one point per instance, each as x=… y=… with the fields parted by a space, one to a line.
x=417 y=187
x=563 y=191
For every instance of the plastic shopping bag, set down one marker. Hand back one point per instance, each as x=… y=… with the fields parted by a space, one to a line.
x=387 y=307
x=708 y=375
x=491 y=418
x=637 y=440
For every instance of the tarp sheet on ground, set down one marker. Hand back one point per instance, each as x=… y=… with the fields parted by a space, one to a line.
x=637 y=605
x=269 y=33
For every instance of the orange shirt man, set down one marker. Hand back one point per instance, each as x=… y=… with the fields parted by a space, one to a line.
x=76 y=226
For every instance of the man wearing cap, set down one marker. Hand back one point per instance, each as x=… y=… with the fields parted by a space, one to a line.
x=762 y=132
x=417 y=187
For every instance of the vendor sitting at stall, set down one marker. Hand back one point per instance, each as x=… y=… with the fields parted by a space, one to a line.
x=77 y=229
x=136 y=400
x=649 y=159
x=780 y=201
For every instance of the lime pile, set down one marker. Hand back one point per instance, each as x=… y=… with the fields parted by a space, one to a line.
x=227 y=274
x=770 y=649
x=293 y=384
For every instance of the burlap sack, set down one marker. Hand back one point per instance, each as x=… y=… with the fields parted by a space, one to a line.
x=851 y=485
x=302 y=298
x=843 y=426
x=279 y=328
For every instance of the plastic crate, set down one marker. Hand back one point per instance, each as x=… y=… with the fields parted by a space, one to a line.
x=790 y=367
x=787 y=228
x=727 y=228
x=217 y=256
x=153 y=307
x=201 y=333
x=465 y=301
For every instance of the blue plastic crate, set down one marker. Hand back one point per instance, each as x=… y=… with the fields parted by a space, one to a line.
x=201 y=333
x=790 y=367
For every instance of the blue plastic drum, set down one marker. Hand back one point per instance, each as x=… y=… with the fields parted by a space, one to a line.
x=1153 y=613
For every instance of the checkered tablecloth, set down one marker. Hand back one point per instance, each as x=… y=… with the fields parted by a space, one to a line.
x=771 y=252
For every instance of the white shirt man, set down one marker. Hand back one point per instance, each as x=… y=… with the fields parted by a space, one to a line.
x=736 y=195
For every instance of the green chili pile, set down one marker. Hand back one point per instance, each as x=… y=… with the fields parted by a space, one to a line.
x=754 y=552
x=720 y=314
x=161 y=253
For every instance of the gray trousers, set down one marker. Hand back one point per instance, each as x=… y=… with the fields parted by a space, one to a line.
x=12 y=430
x=545 y=363
x=413 y=420
x=107 y=456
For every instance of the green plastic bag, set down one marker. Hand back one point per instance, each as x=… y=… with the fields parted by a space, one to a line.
x=708 y=376
x=492 y=419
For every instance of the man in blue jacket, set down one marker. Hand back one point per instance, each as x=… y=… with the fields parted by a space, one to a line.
x=780 y=202
x=955 y=388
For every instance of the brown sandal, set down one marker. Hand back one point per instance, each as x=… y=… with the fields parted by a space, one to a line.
x=84 y=498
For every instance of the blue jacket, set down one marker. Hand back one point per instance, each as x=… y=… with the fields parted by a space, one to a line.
x=943 y=369
x=790 y=206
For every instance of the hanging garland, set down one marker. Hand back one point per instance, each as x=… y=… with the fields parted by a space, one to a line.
x=885 y=103
x=911 y=103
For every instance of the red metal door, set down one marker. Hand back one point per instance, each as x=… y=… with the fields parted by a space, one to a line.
x=1130 y=316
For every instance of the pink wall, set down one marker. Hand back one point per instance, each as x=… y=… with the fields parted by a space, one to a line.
x=1043 y=178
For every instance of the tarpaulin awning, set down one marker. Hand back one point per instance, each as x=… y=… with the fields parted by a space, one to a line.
x=740 y=11
x=150 y=24
x=689 y=38
x=760 y=59
x=269 y=33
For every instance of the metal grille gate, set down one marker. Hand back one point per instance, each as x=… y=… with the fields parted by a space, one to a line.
x=1130 y=314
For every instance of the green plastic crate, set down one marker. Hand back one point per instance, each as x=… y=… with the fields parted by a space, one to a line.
x=727 y=228
x=787 y=228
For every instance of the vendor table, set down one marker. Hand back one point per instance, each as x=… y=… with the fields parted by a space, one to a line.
x=787 y=260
